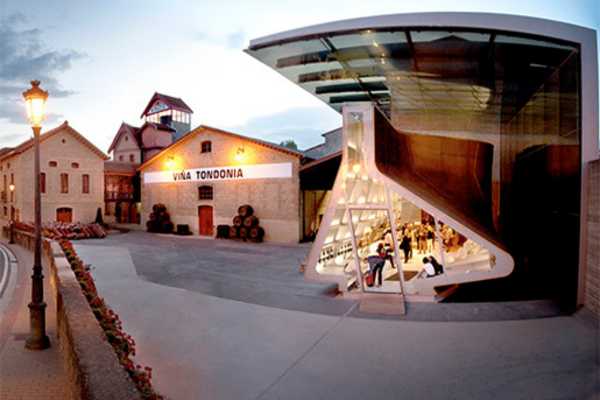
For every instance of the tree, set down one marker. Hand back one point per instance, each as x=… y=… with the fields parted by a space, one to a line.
x=290 y=144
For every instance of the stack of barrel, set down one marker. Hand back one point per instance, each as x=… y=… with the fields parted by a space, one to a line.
x=159 y=220
x=245 y=226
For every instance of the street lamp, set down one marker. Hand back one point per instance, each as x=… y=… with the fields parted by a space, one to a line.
x=35 y=101
x=11 y=187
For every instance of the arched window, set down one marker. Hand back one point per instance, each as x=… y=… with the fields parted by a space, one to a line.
x=52 y=163
x=206 y=146
x=74 y=165
x=205 y=193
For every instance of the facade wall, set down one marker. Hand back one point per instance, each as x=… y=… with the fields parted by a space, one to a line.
x=276 y=201
x=64 y=149
x=125 y=148
x=592 y=281
x=152 y=137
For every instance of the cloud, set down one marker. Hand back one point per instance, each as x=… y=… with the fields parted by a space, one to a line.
x=25 y=57
x=13 y=139
x=235 y=40
x=304 y=125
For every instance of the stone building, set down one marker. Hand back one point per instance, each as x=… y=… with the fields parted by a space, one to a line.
x=121 y=192
x=207 y=174
x=166 y=118
x=71 y=180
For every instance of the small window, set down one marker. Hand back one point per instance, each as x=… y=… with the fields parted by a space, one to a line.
x=52 y=164
x=127 y=138
x=64 y=183
x=120 y=158
x=205 y=193
x=131 y=158
x=74 y=165
x=42 y=182
x=206 y=146
x=5 y=211
x=85 y=183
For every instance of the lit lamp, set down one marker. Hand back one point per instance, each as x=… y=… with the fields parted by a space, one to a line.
x=239 y=154
x=11 y=240
x=35 y=101
x=170 y=163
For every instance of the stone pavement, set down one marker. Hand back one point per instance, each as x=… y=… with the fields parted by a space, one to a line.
x=26 y=374
x=268 y=274
x=206 y=347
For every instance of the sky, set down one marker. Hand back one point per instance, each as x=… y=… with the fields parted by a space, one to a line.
x=101 y=61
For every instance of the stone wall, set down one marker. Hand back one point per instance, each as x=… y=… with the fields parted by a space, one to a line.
x=592 y=280
x=276 y=202
x=93 y=370
x=60 y=153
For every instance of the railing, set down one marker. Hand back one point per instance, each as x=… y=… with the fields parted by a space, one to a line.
x=118 y=196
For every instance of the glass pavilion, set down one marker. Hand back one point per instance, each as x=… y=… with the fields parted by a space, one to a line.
x=470 y=141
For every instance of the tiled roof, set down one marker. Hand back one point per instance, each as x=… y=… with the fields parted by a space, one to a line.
x=26 y=145
x=173 y=102
x=203 y=128
x=134 y=131
x=137 y=133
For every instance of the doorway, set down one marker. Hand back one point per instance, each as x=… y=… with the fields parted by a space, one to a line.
x=370 y=227
x=64 y=214
x=205 y=220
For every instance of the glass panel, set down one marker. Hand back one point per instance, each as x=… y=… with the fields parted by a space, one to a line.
x=375 y=251
x=416 y=237
x=462 y=254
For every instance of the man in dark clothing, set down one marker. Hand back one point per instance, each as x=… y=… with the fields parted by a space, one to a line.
x=406 y=246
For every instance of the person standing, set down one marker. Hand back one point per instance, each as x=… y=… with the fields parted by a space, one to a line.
x=406 y=246
x=378 y=267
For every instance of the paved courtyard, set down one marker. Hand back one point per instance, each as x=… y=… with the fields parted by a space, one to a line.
x=265 y=274
x=203 y=345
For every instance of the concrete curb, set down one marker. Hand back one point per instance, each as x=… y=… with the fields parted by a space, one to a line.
x=92 y=367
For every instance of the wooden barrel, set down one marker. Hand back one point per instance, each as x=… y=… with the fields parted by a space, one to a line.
x=257 y=233
x=233 y=232
x=223 y=231
x=246 y=210
x=250 y=221
x=238 y=221
x=243 y=232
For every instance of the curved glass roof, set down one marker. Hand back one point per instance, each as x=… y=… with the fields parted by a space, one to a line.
x=484 y=73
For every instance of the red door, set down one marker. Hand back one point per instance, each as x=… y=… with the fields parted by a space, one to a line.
x=64 y=214
x=205 y=220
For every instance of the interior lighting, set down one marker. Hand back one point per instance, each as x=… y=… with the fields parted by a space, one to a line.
x=356 y=168
x=375 y=44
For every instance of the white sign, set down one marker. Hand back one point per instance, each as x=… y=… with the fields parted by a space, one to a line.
x=228 y=173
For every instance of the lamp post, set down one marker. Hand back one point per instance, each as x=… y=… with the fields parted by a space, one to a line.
x=35 y=101
x=11 y=240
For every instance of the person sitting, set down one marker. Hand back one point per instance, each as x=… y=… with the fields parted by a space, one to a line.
x=439 y=268
x=428 y=268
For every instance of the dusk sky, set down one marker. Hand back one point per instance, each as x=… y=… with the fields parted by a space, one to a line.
x=102 y=61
